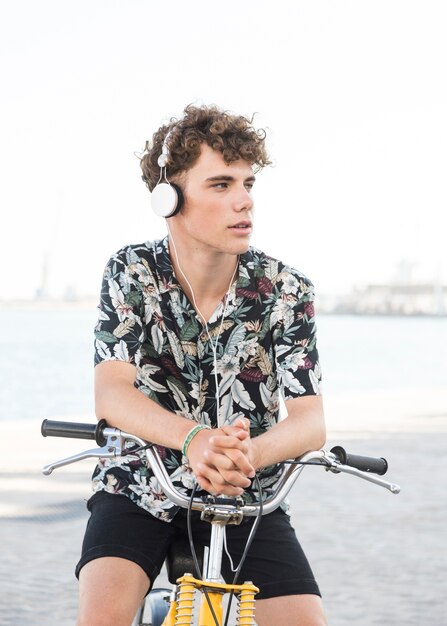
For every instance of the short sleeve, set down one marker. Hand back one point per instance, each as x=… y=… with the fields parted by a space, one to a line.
x=293 y=328
x=119 y=331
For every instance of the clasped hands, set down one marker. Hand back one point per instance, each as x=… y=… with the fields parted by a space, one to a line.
x=223 y=459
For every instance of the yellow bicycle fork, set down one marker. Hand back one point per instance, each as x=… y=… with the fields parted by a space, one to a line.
x=182 y=606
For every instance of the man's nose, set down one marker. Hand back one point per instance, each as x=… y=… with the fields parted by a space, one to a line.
x=243 y=200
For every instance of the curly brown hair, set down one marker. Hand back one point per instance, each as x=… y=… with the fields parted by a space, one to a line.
x=232 y=135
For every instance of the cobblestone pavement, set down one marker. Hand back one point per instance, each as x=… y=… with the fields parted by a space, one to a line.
x=379 y=558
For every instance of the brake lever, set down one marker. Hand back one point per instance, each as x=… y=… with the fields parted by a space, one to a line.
x=112 y=448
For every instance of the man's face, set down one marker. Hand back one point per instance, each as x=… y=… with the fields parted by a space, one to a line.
x=217 y=214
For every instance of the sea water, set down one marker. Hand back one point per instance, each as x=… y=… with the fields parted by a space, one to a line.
x=46 y=358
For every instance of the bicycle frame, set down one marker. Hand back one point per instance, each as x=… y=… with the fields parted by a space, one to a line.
x=212 y=587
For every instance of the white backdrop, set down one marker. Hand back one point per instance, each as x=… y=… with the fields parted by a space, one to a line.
x=353 y=94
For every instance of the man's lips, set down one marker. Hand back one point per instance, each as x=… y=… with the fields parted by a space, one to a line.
x=245 y=225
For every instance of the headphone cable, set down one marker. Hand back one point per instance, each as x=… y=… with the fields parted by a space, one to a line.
x=251 y=536
x=213 y=344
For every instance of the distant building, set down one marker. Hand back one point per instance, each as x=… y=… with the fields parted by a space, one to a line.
x=391 y=299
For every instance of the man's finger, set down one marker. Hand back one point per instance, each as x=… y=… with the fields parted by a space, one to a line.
x=242 y=422
x=241 y=462
x=218 y=460
x=223 y=478
x=234 y=431
x=229 y=459
x=227 y=441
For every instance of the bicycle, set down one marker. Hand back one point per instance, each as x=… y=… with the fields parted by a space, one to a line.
x=176 y=607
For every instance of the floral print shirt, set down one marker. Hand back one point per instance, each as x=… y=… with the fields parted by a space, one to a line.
x=266 y=346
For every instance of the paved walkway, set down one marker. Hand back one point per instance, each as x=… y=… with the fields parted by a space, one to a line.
x=379 y=558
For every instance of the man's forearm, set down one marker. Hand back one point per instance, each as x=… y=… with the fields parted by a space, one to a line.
x=301 y=431
x=127 y=408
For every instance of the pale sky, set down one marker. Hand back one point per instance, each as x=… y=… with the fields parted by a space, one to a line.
x=353 y=95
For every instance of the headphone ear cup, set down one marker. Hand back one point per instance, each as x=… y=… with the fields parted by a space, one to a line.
x=180 y=199
x=166 y=199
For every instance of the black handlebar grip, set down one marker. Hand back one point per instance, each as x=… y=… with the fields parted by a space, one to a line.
x=74 y=430
x=374 y=465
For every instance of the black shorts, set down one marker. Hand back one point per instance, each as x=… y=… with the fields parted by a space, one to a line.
x=275 y=562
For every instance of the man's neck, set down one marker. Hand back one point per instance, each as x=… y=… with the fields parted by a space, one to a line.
x=208 y=272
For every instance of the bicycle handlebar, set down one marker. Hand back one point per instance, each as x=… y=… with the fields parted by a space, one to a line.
x=364 y=463
x=74 y=430
x=112 y=442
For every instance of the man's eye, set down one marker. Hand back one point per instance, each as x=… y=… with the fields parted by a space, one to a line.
x=221 y=185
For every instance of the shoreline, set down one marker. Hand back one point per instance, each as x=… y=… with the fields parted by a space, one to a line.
x=90 y=303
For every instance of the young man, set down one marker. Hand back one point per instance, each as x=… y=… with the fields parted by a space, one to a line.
x=201 y=328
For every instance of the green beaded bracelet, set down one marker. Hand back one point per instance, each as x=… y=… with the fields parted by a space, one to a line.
x=190 y=436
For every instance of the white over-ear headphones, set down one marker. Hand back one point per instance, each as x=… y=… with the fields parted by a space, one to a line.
x=166 y=197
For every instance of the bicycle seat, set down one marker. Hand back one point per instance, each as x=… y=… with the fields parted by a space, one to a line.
x=179 y=559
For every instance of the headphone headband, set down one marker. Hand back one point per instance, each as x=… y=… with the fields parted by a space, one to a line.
x=164 y=156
